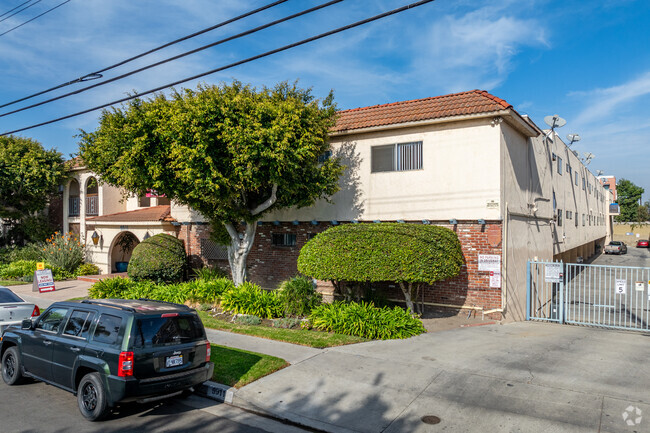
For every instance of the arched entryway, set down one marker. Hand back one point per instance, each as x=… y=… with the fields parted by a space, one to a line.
x=121 y=251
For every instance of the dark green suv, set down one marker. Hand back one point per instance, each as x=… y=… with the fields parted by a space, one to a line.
x=110 y=351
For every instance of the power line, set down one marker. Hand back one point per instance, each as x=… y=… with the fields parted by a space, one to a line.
x=231 y=65
x=97 y=74
x=11 y=10
x=37 y=16
x=187 y=53
x=16 y=13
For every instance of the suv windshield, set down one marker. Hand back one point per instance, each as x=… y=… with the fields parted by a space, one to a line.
x=161 y=331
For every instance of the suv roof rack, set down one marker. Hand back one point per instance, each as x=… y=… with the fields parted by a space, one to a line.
x=165 y=302
x=108 y=304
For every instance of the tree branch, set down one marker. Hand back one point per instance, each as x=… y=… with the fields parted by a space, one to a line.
x=268 y=203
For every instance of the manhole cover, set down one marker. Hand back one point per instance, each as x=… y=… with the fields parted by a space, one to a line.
x=430 y=419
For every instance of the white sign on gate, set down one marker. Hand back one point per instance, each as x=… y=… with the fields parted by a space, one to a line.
x=621 y=287
x=554 y=273
x=640 y=286
x=489 y=262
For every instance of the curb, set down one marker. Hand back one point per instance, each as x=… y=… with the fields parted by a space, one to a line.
x=216 y=391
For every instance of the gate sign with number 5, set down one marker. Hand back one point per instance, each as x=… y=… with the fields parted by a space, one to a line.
x=621 y=287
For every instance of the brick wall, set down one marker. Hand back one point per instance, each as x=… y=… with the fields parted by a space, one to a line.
x=268 y=265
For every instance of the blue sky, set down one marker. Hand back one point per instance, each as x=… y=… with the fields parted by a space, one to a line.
x=589 y=62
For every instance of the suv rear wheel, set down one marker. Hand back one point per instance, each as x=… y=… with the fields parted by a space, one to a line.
x=91 y=397
x=11 y=366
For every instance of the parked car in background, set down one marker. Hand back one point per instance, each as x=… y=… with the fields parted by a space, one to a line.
x=642 y=243
x=110 y=351
x=14 y=309
x=616 y=247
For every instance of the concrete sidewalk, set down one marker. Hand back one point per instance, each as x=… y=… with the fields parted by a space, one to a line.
x=524 y=377
x=64 y=290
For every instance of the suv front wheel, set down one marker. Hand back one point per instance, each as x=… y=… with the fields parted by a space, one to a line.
x=91 y=397
x=11 y=366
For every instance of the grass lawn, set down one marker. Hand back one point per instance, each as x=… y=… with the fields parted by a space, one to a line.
x=234 y=367
x=12 y=283
x=296 y=336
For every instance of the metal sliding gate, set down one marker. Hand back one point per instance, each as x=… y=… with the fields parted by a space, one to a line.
x=607 y=296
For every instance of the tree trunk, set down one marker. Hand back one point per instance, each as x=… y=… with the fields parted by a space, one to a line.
x=238 y=250
x=407 y=296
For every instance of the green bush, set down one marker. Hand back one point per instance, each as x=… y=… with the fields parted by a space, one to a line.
x=299 y=296
x=208 y=274
x=28 y=252
x=249 y=298
x=64 y=251
x=409 y=254
x=199 y=291
x=365 y=320
x=18 y=269
x=115 y=288
x=161 y=258
x=87 y=269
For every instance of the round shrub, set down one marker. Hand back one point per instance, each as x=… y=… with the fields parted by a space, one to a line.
x=161 y=258
x=409 y=254
x=87 y=269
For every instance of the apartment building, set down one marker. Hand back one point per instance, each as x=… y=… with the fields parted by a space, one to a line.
x=467 y=161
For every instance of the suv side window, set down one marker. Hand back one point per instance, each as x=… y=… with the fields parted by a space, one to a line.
x=79 y=324
x=52 y=320
x=108 y=328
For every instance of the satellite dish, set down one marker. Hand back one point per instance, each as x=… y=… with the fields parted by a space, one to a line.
x=575 y=152
x=588 y=157
x=554 y=121
x=599 y=172
x=573 y=138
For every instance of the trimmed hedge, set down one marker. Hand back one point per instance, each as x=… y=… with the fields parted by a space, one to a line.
x=414 y=253
x=161 y=258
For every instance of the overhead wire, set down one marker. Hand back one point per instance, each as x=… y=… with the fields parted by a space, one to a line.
x=37 y=16
x=231 y=65
x=187 y=53
x=97 y=74
x=11 y=10
x=16 y=13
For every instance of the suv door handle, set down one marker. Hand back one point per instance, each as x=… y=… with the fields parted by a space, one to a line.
x=75 y=349
x=47 y=342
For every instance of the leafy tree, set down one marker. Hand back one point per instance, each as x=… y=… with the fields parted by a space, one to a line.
x=629 y=196
x=231 y=152
x=29 y=175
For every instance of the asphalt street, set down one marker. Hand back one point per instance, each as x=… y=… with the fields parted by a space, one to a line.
x=37 y=407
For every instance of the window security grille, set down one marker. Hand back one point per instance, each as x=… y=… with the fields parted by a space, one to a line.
x=396 y=157
x=213 y=251
x=283 y=239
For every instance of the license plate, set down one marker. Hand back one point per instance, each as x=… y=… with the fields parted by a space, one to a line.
x=173 y=361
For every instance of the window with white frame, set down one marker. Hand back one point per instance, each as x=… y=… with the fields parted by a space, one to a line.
x=559 y=217
x=396 y=157
x=559 y=165
x=576 y=178
x=283 y=239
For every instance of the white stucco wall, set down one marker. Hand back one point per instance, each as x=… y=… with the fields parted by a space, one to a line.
x=460 y=175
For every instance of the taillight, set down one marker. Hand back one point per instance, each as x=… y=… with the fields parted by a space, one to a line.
x=208 y=352
x=125 y=364
x=36 y=311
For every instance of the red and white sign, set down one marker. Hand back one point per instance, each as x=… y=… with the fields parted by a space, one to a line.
x=495 y=279
x=44 y=280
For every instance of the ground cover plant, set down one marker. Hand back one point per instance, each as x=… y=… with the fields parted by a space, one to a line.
x=365 y=320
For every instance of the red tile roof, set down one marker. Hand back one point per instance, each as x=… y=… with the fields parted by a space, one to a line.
x=149 y=214
x=456 y=104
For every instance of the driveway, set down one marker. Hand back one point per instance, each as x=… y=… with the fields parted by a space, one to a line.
x=520 y=377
